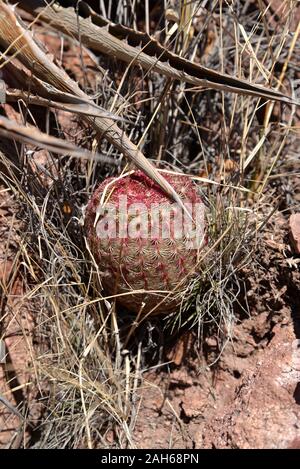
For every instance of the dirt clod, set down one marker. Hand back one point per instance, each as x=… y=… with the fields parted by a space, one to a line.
x=295 y=231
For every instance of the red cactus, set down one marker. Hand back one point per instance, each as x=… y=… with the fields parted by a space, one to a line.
x=143 y=241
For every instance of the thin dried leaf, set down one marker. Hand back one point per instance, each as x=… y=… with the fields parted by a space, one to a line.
x=20 y=133
x=79 y=107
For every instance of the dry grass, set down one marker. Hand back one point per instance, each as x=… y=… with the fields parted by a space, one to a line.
x=89 y=361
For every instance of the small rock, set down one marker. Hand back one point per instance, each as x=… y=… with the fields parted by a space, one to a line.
x=294 y=223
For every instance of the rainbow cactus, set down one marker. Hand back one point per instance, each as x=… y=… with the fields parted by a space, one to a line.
x=145 y=245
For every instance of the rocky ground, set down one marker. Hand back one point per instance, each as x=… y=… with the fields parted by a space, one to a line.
x=251 y=399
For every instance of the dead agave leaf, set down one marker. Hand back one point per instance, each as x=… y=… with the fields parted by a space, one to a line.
x=20 y=42
x=21 y=133
x=139 y=48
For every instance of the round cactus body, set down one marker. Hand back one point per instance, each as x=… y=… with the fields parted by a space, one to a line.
x=144 y=244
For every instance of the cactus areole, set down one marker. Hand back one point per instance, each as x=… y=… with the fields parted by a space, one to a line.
x=145 y=245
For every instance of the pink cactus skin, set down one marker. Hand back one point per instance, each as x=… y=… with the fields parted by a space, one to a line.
x=154 y=265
